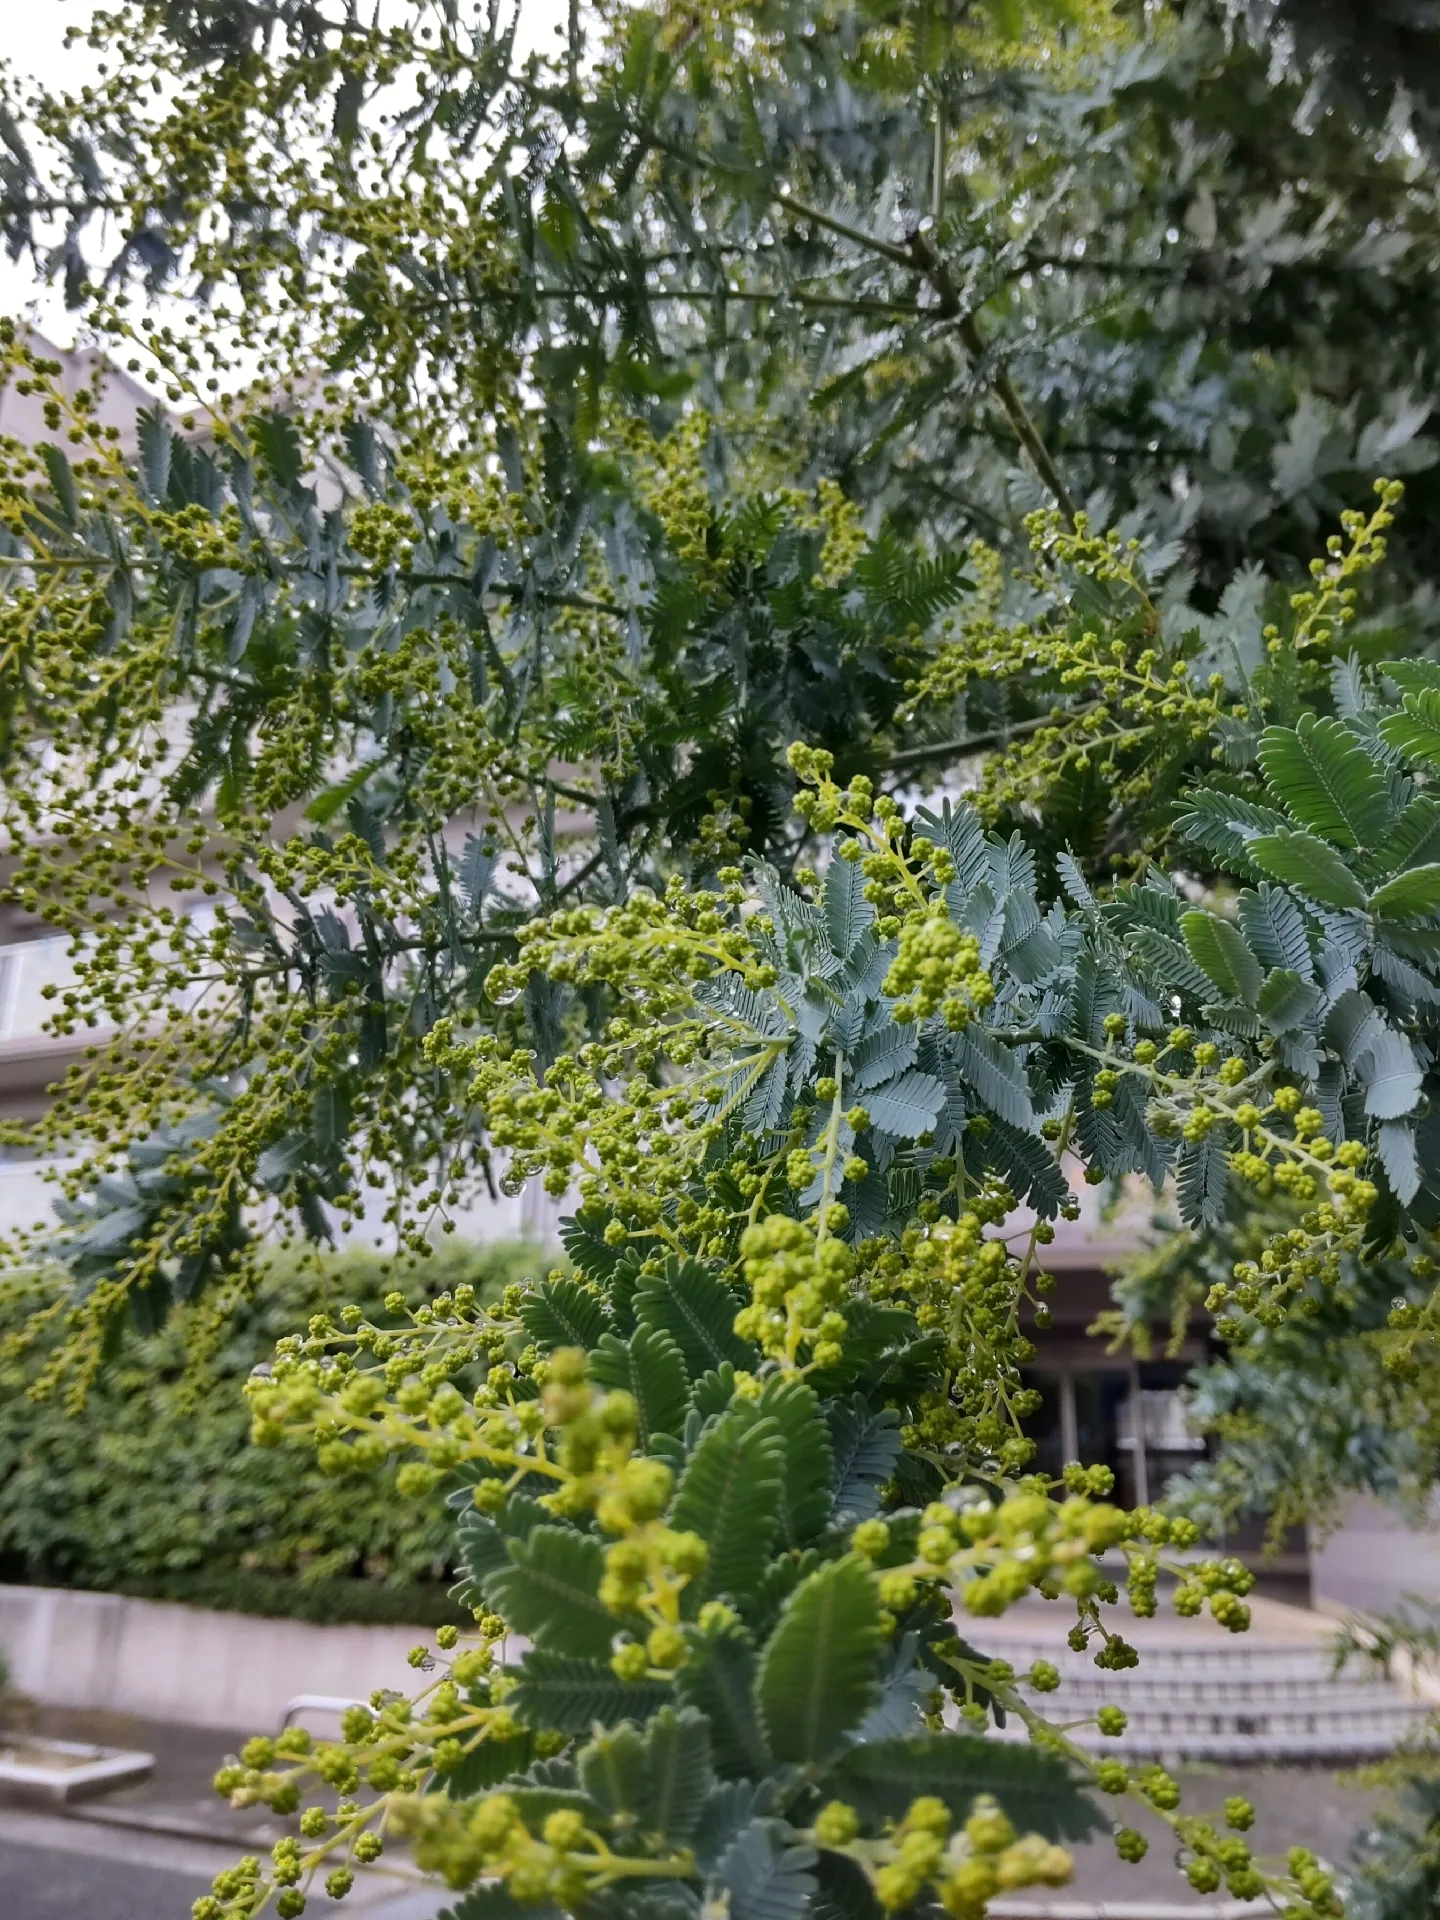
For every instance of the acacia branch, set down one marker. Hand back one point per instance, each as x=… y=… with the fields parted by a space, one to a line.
x=921 y=256
x=970 y=743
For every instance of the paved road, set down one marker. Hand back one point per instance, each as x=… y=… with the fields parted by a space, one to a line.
x=38 y=1883
x=57 y=1868
x=53 y=1868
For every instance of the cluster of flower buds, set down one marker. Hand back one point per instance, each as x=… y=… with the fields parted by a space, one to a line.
x=995 y=1553
x=548 y=1858
x=798 y=1285
x=965 y=1866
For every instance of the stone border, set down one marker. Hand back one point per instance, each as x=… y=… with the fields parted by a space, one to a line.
x=95 y=1770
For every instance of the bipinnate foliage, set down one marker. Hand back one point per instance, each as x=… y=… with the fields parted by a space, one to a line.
x=404 y=743
x=723 y=1478
x=1141 y=221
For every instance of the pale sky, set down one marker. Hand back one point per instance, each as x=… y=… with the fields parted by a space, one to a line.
x=33 y=43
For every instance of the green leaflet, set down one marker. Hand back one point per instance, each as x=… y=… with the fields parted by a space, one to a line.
x=907 y=1107
x=488 y=1763
x=1222 y=953
x=1415 y=730
x=764 y=1879
x=650 y=1367
x=807 y=1461
x=1413 y=676
x=154 y=438
x=333 y=800
x=680 y=1774
x=1304 y=862
x=1286 y=1001
x=1328 y=781
x=659 y=1780
x=484 y=1539
x=1038 y=1789
x=993 y=1071
x=615 y=1773
x=730 y=1494
x=883 y=1054
x=62 y=481
x=551 y=1590
x=1409 y=896
x=496 y=1902
x=660 y=1900
x=866 y=1446
x=719 y=1680
x=698 y=1311
x=845 y=1892
x=1224 y=825
x=1028 y=1167
x=1382 y=1060
x=819 y=1671
x=1396 y=1149
x=277 y=439
x=848 y=913
x=562 y=1313
x=713 y=1391
x=572 y=1695
x=1414 y=839
x=1275 y=929
x=535 y=1803
x=583 y=1237
x=1202 y=1178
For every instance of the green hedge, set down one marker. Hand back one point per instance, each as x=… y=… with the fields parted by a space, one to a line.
x=153 y=1488
x=326 y=1601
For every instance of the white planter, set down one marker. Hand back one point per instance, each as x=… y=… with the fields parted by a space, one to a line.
x=53 y=1772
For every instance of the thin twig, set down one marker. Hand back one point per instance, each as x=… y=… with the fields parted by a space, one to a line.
x=971 y=743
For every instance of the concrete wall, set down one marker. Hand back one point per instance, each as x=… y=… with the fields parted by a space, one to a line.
x=1373 y=1561
x=186 y=1664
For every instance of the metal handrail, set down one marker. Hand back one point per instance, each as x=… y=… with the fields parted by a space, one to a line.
x=319 y=1703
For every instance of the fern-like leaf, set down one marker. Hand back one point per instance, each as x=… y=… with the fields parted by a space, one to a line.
x=759 y=1877
x=1328 y=781
x=698 y=1311
x=907 y=1107
x=719 y=1680
x=731 y=1496
x=1409 y=896
x=562 y=1313
x=995 y=1075
x=551 y=1590
x=1309 y=865
x=866 y=1446
x=819 y=1671
x=1224 y=825
x=807 y=1461
x=651 y=1368
x=1415 y=730
x=570 y=1695
x=1223 y=954
x=1275 y=928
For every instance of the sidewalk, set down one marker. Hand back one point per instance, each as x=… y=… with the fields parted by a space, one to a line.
x=146 y=1852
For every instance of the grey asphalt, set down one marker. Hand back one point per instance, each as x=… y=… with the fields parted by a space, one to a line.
x=56 y=1867
x=41 y=1883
